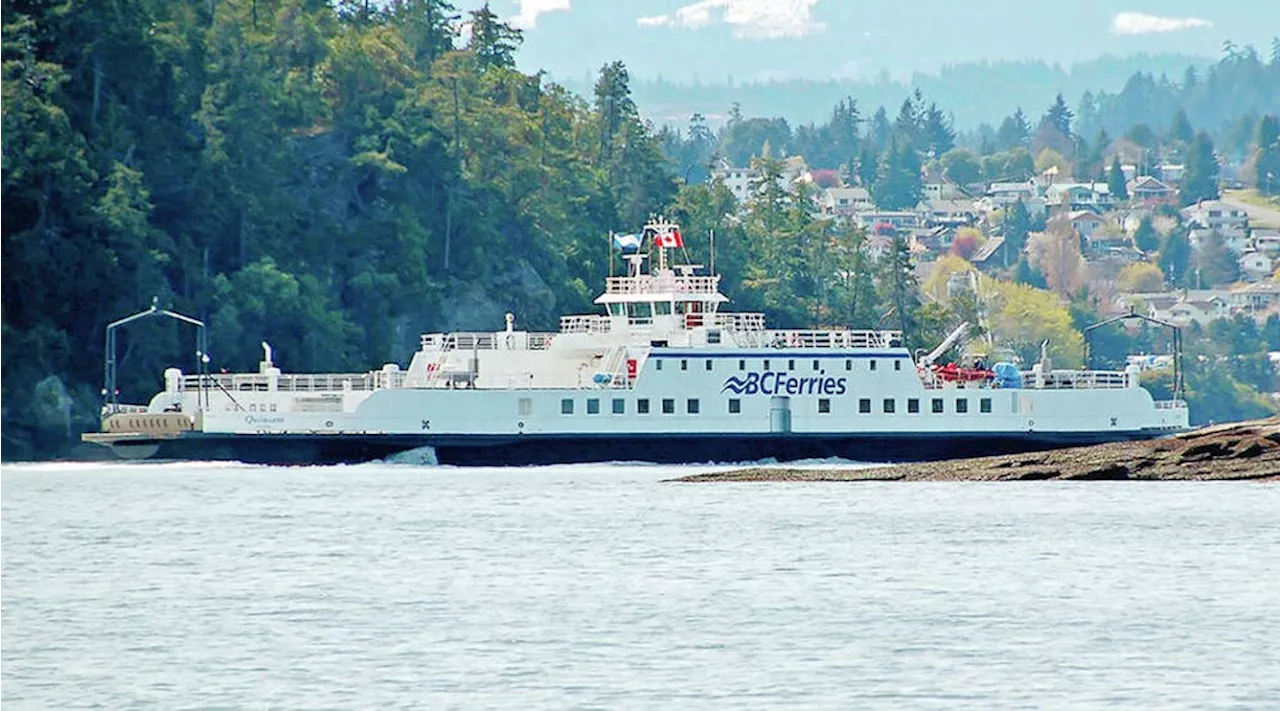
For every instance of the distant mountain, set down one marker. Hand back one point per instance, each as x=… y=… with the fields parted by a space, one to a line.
x=974 y=92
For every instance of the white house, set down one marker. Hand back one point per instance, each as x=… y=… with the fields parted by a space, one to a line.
x=1256 y=297
x=1216 y=215
x=1267 y=241
x=1077 y=196
x=1004 y=195
x=1255 y=265
x=845 y=201
x=953 y=213
x=1084 y=222
x=1237 y=241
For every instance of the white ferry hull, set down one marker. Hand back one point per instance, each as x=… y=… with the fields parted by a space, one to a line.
x=521 y=450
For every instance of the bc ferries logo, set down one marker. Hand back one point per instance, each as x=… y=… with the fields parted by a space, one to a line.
x=775 y=383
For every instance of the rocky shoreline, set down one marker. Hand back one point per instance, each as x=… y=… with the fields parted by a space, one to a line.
x=1236 y=451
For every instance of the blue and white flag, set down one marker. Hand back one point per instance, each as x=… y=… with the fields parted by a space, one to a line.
x=631 y=241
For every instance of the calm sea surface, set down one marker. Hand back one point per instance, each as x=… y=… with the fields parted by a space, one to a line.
x=198 y=585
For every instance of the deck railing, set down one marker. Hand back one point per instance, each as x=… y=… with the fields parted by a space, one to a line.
x=1076 y=379
x=663 y=284
x=296 y=382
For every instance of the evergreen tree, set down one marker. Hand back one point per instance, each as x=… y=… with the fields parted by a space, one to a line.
x=937 y=135
x=868 y=166
x=1116 y=181
x=1180 y=128
x=493 y=41
x=1014 y=132
x=898 y=184
x=881 y=130
x=1175 y=257
x=1267 y=156
x=1059 y=116
x=1145 y=237
x=906 y=128
x=1201 y=179
x=1016 y=228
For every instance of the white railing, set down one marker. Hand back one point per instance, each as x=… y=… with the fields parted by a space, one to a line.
x=663 y=284
x=1171 y=404
x=485 y=341
x=837 y=338
x=1076 y=379
x=739 y=322
x=597 y=325
x=300 y=382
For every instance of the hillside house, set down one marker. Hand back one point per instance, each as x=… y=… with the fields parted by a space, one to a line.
x=947 y=213
x=1255 y=265
x=1084 y=222
x=1079 y=196
x=1267 y=241
x=845 y=201
x=876 y=219
x=1254 y=298
x=1147 y=190
x=1004 y=195
x=1216 y=215
x=1237 y=241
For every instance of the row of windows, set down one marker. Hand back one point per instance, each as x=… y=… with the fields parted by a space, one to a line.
x=765 y=363
x=692 y=406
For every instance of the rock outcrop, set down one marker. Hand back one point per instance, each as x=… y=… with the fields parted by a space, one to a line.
x=1243 y=450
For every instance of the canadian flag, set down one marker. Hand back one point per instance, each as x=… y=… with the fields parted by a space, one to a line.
x=670 y=239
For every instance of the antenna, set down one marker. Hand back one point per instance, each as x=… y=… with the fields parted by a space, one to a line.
x=712 y=236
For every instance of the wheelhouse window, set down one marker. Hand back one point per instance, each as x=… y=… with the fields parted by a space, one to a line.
x=566 y=406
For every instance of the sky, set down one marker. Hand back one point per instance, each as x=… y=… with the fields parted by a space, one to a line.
x=712 y=40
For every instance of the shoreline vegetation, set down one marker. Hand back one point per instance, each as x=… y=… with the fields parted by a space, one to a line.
x=1230 y=452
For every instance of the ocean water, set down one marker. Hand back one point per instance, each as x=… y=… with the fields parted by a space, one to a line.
x=382 y=585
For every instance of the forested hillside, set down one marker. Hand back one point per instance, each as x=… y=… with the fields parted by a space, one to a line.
x=331 y=178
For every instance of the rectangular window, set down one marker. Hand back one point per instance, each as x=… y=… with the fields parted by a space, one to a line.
x=962 y=405
x=713 y=337
x=619 y=406
x=816 y=366
x=984 y=405
x=824 y=405
x=889 y=405
x=791 y=364
x=659 y=363
x=735 y=406
x=766 y=364
x=525 y=407
x=873 y=364
x=897 y=365
x=913 y=406
x=691 y=406
x=642 y=406
x=593 y=406
x=937 y=406
x=668 y=406
x=566 y=406
x=684 y=364
x=864 y=405
x=848 y=364
x=742 y=365
x=708 y=364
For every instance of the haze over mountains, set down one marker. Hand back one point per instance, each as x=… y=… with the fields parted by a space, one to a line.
x=875 y=49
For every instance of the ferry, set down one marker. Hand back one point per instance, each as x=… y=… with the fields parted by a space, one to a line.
x=663 y=374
